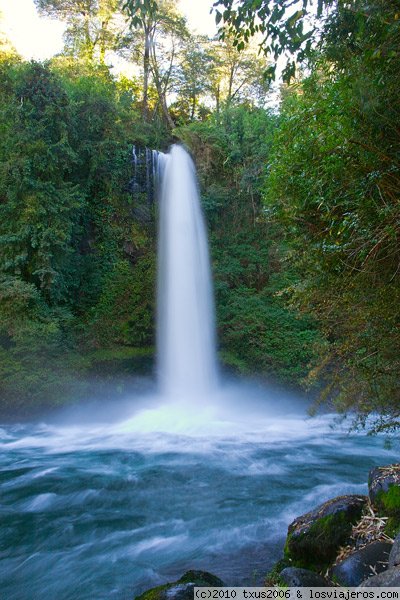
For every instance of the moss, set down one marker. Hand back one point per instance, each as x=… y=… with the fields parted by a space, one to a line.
x=317 y=547
x=273 y=576
x=199 y=578
x=389 y=502
x=154 y=593
x=392 y=527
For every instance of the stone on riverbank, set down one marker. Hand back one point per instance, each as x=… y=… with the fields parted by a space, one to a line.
x=389 y=578
x=314 y=538
x=384 y=493
x=394 y=556
x=183 y=588
x=363 y=563
x=296 y=577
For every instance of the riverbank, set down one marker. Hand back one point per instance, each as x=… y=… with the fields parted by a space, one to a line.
x=349 y=541
x=109 y=499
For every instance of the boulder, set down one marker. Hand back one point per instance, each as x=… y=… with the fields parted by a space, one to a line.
x=389 y=578
x=273 y=576
x=183 y=588
x=354 y=569
x=394 y=556
x=296 y=577
x=384 y=489
x=314 y=538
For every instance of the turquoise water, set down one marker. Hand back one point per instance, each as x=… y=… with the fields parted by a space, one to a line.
x=96 y=510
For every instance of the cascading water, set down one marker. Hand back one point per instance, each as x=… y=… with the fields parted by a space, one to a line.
x=186 y=338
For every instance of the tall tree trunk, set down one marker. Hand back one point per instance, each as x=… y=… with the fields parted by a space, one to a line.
x=146 y=71
x=102 y=56
x=161 y=84
x=193 y=107
x=231 y=74
x=164 y=108
x=217 y=98
x=88 y=41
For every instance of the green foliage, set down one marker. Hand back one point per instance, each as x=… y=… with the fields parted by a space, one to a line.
x=125 y=311
x=273 y=578
x=67 y=225
x=258 y=328
x=392 y=527
x=285 y=27
x=198 y=578
x=317 y=547
x=303 y=206
x=389 y=501
x=40 y=211
x=333 y=185
x=36 y=357
x=139 y=10
x=91 y=29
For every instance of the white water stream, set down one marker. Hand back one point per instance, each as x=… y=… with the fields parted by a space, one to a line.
x=186 y=338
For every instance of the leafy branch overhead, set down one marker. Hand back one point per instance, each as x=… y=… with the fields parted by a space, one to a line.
x=140 y=11
x=282 y=26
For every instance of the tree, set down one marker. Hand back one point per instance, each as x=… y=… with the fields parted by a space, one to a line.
x=195 y=72
x=166 y=49
x=334 y=185
x=91 y=27
x=143 y=14
x=285 y=29
x=163 y=31
x=40 y=208
x=237 y=76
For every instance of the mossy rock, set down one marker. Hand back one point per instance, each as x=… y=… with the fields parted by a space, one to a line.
x=183 y=588
x=314 y=538
x=384 y=491
x=201 y=578
x=273 y=576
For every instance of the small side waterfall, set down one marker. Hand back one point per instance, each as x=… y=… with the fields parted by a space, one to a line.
x=186 y=332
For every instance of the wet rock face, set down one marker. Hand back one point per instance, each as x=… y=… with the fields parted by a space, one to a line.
x=314 y=538
x=295 y=577
x=183 y=588
x=363 y=563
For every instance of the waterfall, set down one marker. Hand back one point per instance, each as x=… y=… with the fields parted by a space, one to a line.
x=187 y=362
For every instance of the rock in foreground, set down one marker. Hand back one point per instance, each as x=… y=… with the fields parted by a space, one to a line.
x=295 y=577
x=389 y=578
x=183 y=588
x=363 y=563
x=314 y=538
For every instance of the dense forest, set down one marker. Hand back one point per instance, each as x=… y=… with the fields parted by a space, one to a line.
x=301 y=194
